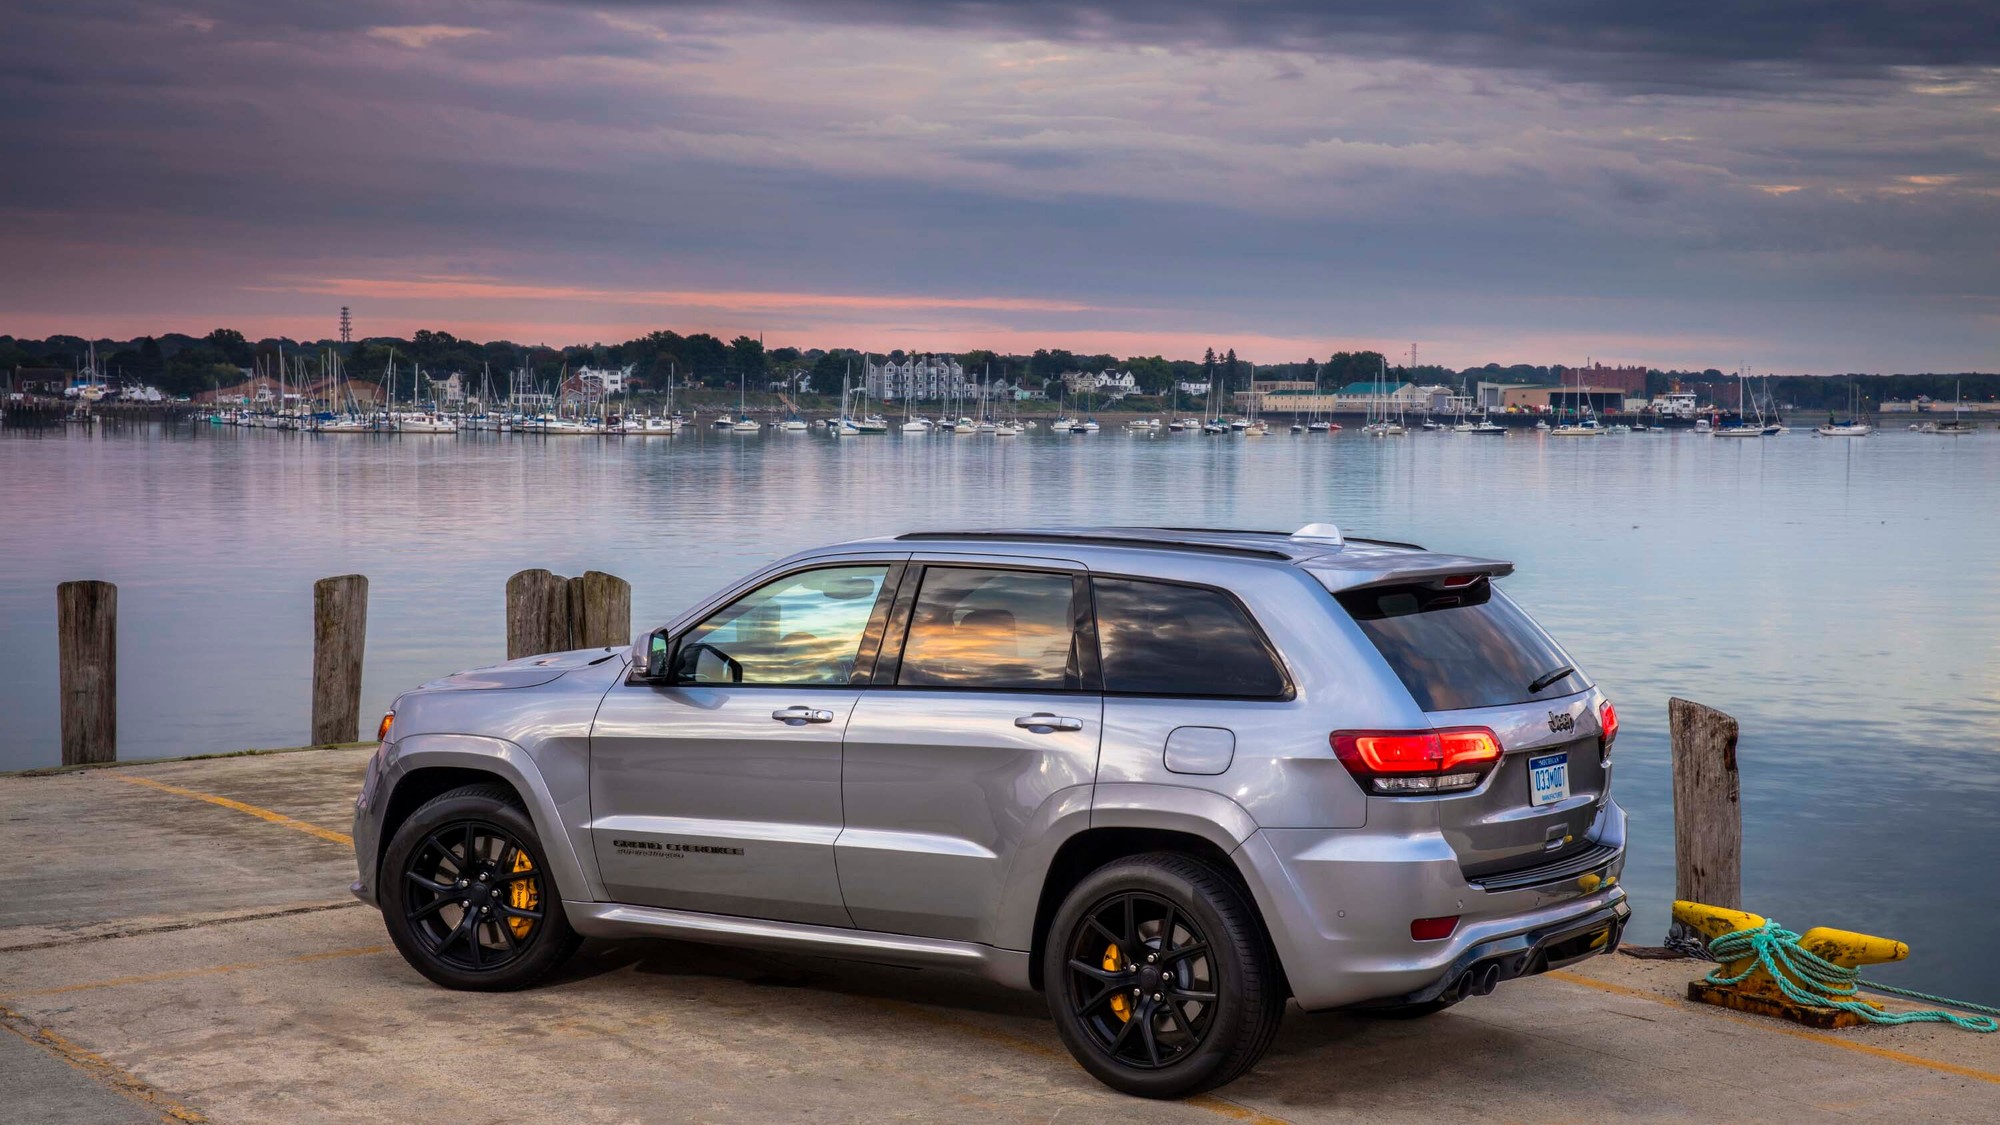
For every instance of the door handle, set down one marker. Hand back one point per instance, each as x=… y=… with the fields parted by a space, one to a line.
x=1041 y=722
x=800 y=716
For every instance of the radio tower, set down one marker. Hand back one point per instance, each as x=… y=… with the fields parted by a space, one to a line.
x=346 y=326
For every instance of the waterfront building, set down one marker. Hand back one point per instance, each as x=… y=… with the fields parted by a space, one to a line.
x=918 y=378
x=1630 y=380
x=609 y=380
x=1107 y=384
x=1361 y=398
x=449 y=389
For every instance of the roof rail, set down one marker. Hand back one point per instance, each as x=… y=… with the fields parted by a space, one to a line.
x=1289 y=534
x=1099 y=539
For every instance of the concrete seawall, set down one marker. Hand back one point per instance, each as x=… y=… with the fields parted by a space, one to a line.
x=177 y=943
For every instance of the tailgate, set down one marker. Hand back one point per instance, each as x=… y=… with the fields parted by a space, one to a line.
x=1506 y=824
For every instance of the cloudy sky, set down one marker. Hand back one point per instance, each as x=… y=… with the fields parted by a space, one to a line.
x=1797 y=185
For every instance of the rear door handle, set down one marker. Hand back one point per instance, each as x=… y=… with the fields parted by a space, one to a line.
x=800 y=716
x=1041 y=722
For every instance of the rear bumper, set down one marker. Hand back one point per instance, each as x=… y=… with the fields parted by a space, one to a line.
x=1525 y=954
x=1339 y=902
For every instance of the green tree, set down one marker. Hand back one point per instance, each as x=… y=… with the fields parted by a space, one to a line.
x=231 y=345
x=747 y=359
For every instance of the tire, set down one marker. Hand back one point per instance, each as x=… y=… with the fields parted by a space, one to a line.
x=522 y=936
x=1095 y=949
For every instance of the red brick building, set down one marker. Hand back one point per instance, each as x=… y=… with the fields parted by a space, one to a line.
x=1631 y=380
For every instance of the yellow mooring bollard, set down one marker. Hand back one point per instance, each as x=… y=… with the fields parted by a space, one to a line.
x=1759 y=992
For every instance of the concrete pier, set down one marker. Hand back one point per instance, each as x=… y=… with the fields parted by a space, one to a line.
x=177 y=944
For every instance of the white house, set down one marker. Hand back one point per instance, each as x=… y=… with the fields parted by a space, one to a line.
x=611 y=379
x=449 y=389
x=1110 y=384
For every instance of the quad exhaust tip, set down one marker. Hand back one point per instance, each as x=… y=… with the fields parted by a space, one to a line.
x=1479 y=980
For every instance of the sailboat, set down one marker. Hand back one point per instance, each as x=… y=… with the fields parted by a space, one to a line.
x=1958 y=426
x=1852 y=425
x=1585 y=424
x=1740 y=428
x=1381 y=426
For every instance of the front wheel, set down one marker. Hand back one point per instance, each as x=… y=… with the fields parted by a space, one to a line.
x=1160 y=978
x=467 y=896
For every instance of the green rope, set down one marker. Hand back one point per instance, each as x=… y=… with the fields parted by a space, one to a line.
x=1807 y=978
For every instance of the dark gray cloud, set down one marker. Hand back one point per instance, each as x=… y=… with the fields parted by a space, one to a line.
x=1665 y=44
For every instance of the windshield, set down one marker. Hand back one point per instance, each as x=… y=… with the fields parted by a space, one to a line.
x=1468 y=647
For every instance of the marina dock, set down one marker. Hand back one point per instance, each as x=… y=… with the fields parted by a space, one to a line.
x=177 y=944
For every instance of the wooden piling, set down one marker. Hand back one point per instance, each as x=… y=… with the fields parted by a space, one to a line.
x=600 y=611
x=87 y=659
x=1708 y=818
x=340 y=630
x=537 y=613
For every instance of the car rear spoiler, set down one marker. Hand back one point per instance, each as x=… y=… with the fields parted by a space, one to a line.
x=1340 y=573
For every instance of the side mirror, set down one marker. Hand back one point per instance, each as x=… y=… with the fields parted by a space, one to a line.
x=656 y=661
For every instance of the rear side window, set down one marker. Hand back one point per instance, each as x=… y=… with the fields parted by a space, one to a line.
x=1157 y=638
x=1000 y=630
x=1468 y=647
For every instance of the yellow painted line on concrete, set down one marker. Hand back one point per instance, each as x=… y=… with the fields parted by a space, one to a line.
x=1883 y=1053
x=1221 y=1107
x=99 y=1069
x=327 y=834
x=207 y=971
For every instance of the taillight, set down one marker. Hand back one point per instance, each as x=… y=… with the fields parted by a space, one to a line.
x=1417 y=762
x=1607 y=724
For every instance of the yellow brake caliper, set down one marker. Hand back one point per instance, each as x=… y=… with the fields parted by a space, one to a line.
x=1121 y=1005
x=521 y=895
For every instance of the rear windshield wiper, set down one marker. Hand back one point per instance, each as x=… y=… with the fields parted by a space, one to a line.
x=1552 y=677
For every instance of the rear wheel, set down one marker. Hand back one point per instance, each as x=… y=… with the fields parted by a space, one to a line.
x=1159 y=977
x=467 y=895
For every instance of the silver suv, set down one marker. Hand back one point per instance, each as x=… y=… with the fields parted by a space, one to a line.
x=1168 y=777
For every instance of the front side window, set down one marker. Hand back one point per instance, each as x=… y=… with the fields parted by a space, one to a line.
x=802 y=629
x=1158 y=638
x=1001 y=630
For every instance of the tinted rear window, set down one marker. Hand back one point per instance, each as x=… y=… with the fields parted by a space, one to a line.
x=1156 y=638
x=993 y=630
x=1461 y=648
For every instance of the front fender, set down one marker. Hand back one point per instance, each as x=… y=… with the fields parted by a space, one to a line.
x=564 y=850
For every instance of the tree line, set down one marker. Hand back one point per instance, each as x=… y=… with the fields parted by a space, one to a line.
x=182 y=364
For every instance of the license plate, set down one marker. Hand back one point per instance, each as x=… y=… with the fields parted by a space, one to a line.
x=1548 y=779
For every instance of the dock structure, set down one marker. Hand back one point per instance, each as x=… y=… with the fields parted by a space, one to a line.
x=177 y=944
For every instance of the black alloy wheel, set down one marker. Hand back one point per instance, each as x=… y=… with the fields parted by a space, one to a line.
x=474 y=896
x=1147 y=978
x=467 y=894
x=1160 y=977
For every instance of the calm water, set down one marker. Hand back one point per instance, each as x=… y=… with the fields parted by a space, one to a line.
x=1840 y=597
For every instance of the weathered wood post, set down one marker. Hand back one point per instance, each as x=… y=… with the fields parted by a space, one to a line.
x=87 y=660
x=600 y=611
x=537 y=613
x=1708 y=820
x=340 y=630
